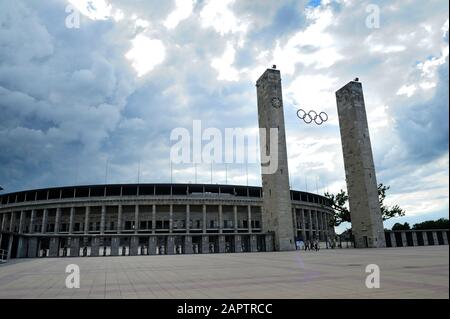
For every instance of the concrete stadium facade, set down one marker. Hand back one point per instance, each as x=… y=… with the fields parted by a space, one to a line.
x=149 y=219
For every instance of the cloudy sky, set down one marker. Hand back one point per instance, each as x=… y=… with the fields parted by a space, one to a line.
x=91 y=90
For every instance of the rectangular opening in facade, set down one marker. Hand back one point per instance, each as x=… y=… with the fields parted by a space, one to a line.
x=129 y=190
x=430 y=238
x=67 y=192
x=53 y=193
x=440 y=238
x=97 y=191
x=241 y=191
x=195 y=189
x=179 y=190
x=212 y=189
x=42 y=195
x=162 y=190
x=146 y=190
x=81 y=192
x=254 y=192
x=229 y=190
x=409 y=239
x=113 y=190
x=387 y=236
x=420 y=240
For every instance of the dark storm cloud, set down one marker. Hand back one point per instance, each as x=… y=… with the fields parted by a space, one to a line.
x=73 y=109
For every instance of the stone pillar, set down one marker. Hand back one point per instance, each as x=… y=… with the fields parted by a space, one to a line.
x=205 y=244
x=188 y=244
x=170 y=244
x=152 y=245
x=44 y=221
x=393 y=240
x=72 y=216
x=303 y=225
x=115 y=242
x=75 y=247
x=249 y=218
x=95 y=246
x=32 y=247
x=435 y=238
x=235 y=217
x=188 y=220
x=425 y=238
x=57 y=219
x=367 y=222
x=444 y=236
x=220 y=219
x=269 y=242
x=86 y=219
x=2 y=226
x=414 y=238
x=153 y=219
x=310 y=225
x=21 y=218
x=237 y=244
x=317 y=225
x=294 y=220
x=136 y=219
x=134 y=244
x=221 y=243
x=404 y=239
x=102 y=219
x=11 y=222
x=119 y=219
x=54 y=247
x=204 y=220
x=171 y=218
x=10 y=242
x=21 y=247
x=253 y=243
x=277 y=215
x=32 y=217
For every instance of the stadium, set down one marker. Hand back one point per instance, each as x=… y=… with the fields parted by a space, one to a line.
x=150 y=219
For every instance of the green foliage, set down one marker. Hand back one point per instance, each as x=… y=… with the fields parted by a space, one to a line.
x=399 y=226
x=441 y=223
x=342 y=213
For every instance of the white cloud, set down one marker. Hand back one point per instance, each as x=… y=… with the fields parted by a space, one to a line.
x=145 y=54
x=182 y=11
x=217 y=14
x=93 y=9
x=407 y=90
x=224 y=65
x=313 y=46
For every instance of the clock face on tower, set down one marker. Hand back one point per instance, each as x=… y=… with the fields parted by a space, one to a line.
x=276 y=103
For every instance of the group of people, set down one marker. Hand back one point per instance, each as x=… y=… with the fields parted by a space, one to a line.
x=312 y=245
x=309 y=245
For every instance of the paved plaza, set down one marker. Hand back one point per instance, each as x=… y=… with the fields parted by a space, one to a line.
x=413 y=272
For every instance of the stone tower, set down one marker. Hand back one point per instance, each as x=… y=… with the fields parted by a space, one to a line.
x=367 y=223
x=277 y=212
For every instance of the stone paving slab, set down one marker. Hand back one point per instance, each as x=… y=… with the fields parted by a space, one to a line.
x=410 y=272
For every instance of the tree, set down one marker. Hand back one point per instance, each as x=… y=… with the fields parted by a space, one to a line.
x=441 y=223
x=342 y=213
x=399 y=226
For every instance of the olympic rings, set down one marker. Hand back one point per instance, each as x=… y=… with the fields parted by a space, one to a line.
x=312 y=116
